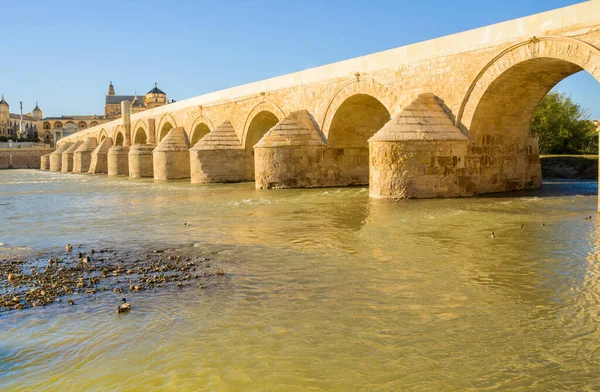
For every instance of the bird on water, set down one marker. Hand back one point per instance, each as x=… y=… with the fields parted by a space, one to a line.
x=493 y=235
x=69 y=247
x=124 y=307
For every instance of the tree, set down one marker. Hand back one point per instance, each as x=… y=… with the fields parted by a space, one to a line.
x=564 y=127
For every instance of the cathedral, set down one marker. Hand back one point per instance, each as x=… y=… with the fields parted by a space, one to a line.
x=153 y=98
x=51 y=129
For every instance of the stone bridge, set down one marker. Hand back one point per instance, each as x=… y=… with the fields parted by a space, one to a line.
x=442 y=118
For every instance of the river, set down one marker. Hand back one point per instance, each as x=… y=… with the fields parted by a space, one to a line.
x=325 y=289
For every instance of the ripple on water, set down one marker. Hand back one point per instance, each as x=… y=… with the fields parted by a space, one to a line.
x=326 y=290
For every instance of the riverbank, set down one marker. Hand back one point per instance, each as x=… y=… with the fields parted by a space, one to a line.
x=583 y=167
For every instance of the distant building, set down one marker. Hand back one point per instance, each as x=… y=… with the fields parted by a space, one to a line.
x=9 y=122
x=52 y=129
x=153 y=98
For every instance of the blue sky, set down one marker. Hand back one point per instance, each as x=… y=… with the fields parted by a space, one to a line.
x=63 y=53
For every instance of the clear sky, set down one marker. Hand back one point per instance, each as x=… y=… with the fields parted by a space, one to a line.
x=64 y=53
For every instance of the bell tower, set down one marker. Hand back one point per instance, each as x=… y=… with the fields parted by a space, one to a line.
x=111 y=89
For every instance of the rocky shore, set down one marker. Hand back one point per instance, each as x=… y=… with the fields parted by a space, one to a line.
x=40 y=281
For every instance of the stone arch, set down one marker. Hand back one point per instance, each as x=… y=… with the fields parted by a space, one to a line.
x=262 y=117
x=200 y=127
x=47 y=125
x=140 y=136
x=555 y=51
x=355 y=121
x=119 y=138
x=365 y=86
x=265 y=106
x=140 y=132
x=102 y=135
x=57 y=124
x=94 y=123
x=166 y=123
x=498 y=107
x=81 y=124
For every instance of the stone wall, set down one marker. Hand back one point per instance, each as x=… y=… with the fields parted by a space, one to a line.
x=17 y=158
x=488 y=82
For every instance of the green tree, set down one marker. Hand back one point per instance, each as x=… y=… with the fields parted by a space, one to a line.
x=564 y=127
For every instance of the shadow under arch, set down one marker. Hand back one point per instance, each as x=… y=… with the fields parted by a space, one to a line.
x=355 y=121
x=167 y=122
x=200 y=128
x=262 y=117
x=497 y=110
x=140 y=136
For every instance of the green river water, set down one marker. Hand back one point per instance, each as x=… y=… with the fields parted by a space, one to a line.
x=325 y=289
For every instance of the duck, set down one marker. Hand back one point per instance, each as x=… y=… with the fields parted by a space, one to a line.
x=522 y=226
x=124 y=307
x=71 y=302
x=86 y=259
x=493 y=235
x=589 y=217
x=69 y=248
x=543 y=223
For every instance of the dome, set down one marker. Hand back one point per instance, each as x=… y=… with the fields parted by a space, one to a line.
x=156 y=90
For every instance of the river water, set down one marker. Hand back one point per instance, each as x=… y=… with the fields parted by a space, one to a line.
x=325 y=289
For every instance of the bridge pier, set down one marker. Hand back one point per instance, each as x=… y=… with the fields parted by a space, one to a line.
x=419 y=154
x=99 y=157
x=56 y=157
x=67 y=157
x=218 y=157
x=172 y=156
x=291 y=154
x=140 y=161
x=83 y=155
x=118 y=161
x=45 y=162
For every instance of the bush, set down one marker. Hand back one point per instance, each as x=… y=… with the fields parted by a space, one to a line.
x=564 y=127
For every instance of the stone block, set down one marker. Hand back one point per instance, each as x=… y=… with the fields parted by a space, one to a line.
x=172 y=156
x=56 y=157
x=67 y=157
x=99 y=157
x=118 y=161
x=82 y=157
x=140 y=161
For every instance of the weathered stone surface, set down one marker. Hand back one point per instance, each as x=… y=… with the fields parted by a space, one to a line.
x=56 y=156
x=489 y=81
x=419 y=154
x=22 y=158
x=67 y=157
x=99 y=157
x=45 y=162
x=291 y=154
x=118 y=161
x=172 y=156
x=218 y=157
x=82 y=157
x=140 y=161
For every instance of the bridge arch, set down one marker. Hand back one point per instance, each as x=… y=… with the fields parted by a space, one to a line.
x=359 y=86
x=119 y=136
x=200 y=127
x=140 y=136
x=498 y=107
x=166 y=123
x=261 y=118
x=102 y=135
x=140 y=133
